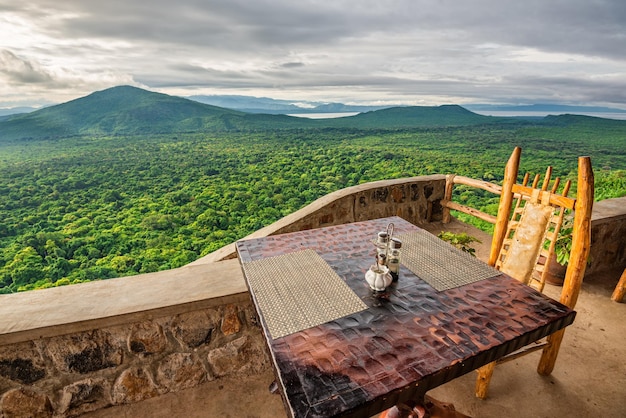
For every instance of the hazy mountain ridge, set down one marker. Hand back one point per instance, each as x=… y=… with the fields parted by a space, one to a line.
x=125 y=110
x=15 y=111
x=545 y=107
x=268 y=105
x=253 y=104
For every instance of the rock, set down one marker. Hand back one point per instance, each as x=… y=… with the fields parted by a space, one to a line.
x=84 y=396
x=180 y=371
x=134 y=385
x=195 y=328
x=84 y=352
x=250 y=315
x=25 y=402
x=21 y=363
x=147 y=338
x=231 y=323
x=241 y=356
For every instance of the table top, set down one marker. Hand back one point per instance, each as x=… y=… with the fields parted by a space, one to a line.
x=381 y=351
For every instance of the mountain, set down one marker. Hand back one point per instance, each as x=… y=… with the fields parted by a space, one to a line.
x=251 y=104
x=126 y=110
x=416 y=117
x=118 y=110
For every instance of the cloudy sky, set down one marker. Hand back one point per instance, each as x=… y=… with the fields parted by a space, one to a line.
x=421 y=52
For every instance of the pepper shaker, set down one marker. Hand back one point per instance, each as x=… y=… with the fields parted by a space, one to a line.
x=382 y=244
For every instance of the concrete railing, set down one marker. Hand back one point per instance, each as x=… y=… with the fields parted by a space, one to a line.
x=70 y=350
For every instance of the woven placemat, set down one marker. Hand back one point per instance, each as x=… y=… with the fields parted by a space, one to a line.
x=299 y=290
x=440 y=264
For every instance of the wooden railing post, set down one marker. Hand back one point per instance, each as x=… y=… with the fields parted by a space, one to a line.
x=447 y=196
x=506 y=201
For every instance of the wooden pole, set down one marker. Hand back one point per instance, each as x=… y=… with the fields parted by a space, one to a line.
x=504 y=208
x=620 y=289
x=581 y=234
x=581 y=245
x=448 y=197
x=483 y=379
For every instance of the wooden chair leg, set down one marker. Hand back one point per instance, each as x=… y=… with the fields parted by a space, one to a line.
x=483 y=379
x=550 y=353
x=620 y=289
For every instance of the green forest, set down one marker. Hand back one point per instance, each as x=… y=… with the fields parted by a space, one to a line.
x=89 y=208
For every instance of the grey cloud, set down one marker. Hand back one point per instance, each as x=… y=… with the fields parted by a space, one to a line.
x=575 y=26
x=20 y=70
x=403 y=48
x=292 y=65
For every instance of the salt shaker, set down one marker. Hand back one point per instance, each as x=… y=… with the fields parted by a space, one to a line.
x=393 y=258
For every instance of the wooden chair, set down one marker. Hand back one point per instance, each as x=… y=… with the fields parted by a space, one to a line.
x=526 y=227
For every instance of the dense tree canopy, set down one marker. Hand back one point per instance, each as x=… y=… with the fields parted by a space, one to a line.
x=81 y=209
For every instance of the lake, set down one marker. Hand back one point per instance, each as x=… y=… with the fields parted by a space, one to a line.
x=323 y=115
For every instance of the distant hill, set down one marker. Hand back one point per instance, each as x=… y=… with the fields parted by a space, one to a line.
x=126 y=110
x=251 y=104
x=16 y=110
x=416 y=116
x=547 y=108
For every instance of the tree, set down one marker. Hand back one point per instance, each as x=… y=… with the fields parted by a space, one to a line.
x=26 y=267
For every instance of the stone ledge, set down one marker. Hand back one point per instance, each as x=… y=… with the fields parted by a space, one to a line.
x=607 y=210
x=80 y=307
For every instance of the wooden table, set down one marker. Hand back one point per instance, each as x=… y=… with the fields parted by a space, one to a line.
x=399 y=346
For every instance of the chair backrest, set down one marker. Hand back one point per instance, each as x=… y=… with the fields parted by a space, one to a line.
x=533 y=228
x=529 y=220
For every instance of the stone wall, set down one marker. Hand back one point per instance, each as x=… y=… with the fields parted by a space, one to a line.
x=608 y=236
x=68 y=375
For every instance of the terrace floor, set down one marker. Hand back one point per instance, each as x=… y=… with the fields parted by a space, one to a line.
x=589 y=379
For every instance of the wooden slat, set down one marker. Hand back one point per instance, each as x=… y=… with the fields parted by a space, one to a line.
x=470 y=211
x=479 y=184
x=522 y=352
x=555 y=199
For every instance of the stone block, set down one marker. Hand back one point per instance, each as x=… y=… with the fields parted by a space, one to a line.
x=230 y=322
x=147 y=338
x=134 y=385
x=242 y=356
x=25 y=402
x=195 y=328
x=180 y=371
x=84 y=396
x=84 y=352
x=398 y=194
x=22 y=363
x=250 y=316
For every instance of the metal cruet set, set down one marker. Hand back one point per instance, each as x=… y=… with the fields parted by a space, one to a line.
x=387 y=267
